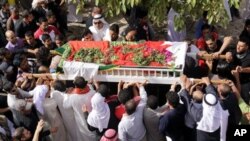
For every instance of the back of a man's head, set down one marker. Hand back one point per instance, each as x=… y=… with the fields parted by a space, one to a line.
x=152 y=102
x=225 y=90
x=59 y=86
x=197 y=96
x=125 y=95
x=80 y=82
x=173 y=99
x=103 y=90
x=130 y=107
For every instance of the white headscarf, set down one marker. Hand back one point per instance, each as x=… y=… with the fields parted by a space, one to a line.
x=35 y=2
x=99 y=17
x=99 y=34
x=39 y=94
x=100 y=114
x=213 y=117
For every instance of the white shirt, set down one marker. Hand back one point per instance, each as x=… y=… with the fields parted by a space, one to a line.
x=76 y=102
x=68 y=119
x=99 y=34
x=131 y=127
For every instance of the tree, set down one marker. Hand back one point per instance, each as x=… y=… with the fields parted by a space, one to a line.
x=158 y=9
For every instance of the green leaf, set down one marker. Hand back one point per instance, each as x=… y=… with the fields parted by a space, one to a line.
x=96 y=2
x=132 y=3
x=193 y=2
x=124 y=8
x=78 y=8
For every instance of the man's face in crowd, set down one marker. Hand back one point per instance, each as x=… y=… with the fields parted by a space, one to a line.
x=98 y=24
x=6 y=7
x=44 y=26
x=88 y=37
x=58 y=43
x=25 y=65
x=31 y=17
x=47 y=42
x=241 y=47
x=211 y=45
x=30 y=40
x=131 y=36
x=52 y=20
x=26 y=135
x=12 y=38
x=205 y=31
x=113 y=35
x=96 y=10
x=15 y=14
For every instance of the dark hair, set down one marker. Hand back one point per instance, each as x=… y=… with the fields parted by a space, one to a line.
x=247 y=22
x=245 y=31
x=8 y=86
x=86 y=32
x=3 y=51
x=189 y=65
x=59 y=37
x=49 y=14
x=128 y=29
x=18 y=58
x=25 y=14
x=204 y=14
x=223 y=69
x=130 y=107
x=152 y=102
x=14 y=9
x=59 y=85
x=43 y=19
x=173 y=98
x=115 y=28
x=18 y=133
x=80 y=82
x=4 y=3
x=42 y=54
x=141 y=12
x=226 y=90
x=245 y=40
x=209 y=36
x=125 y=95
x=29 y=34
x=103 y=90
x=45 y=37
x=97 y=7
x=205 y=26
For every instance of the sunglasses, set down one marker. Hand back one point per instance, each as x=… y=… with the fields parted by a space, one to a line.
x=97 y=22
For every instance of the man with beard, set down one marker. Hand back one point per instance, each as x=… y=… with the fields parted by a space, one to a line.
x=240 y=59
x=215 y=47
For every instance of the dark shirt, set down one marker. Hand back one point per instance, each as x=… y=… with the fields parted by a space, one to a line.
x=172 y=123
x=37 y=44
x=143 y=32
x=244 y=62
x=231 y=104
x=4 y=104
x=113 y=121
x=23 y=27
x=43 y=135
x=28 y=121
x=89 y=22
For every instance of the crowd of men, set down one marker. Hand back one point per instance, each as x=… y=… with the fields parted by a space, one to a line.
x=212 y=99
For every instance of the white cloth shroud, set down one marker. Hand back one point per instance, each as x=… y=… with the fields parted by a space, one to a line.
x=73 y=69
